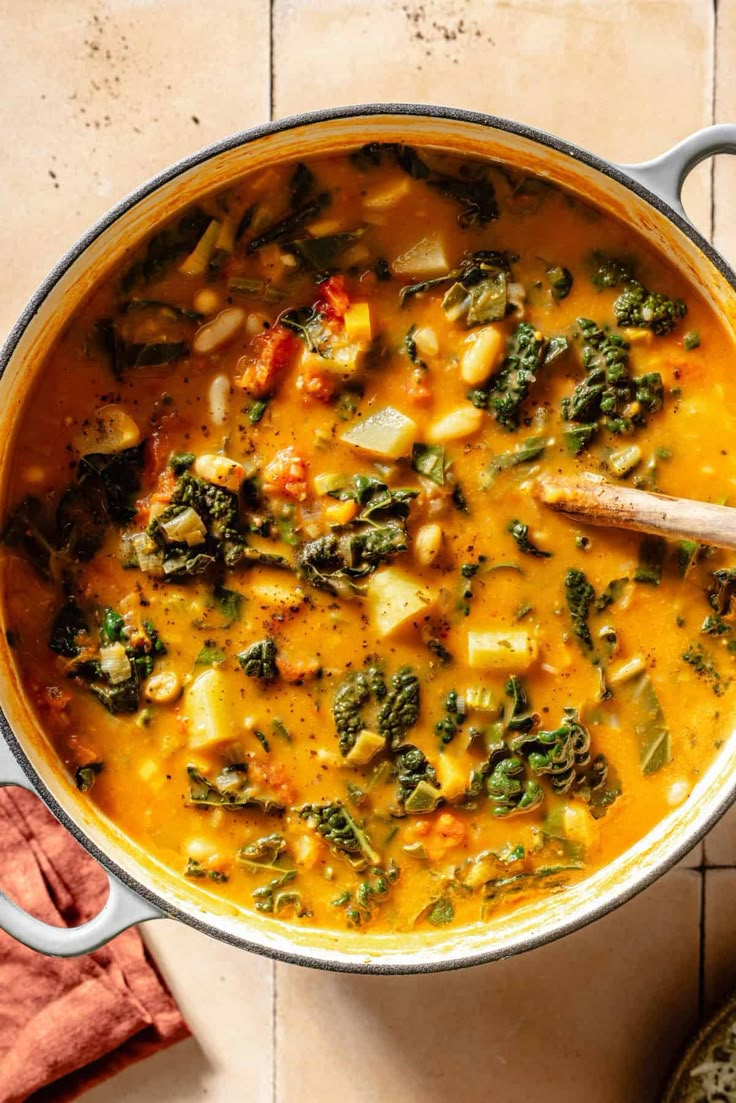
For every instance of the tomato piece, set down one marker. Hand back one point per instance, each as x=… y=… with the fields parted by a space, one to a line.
x=335 y=299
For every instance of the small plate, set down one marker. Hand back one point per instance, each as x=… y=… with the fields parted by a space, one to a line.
x=707 y=1071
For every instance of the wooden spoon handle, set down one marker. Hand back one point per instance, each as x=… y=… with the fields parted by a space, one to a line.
x=596 y=502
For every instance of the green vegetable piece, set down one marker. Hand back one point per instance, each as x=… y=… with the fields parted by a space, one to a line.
x=230 y=604
x=68 y=624
x=560 y=281
x=210 y=654
x=652 y=552
x=411 y=767
x=342 y=833
x=509 y=387
x=112 y=626
x=259 y=660
x=691 y=340
x=355 y=691
x=510 y=792
x=580 y=596
x=650 y=726
x=87 y=775
x=556 y=753
x=638 y=307
x=400 y=709
x=230 y=790
x=257 y=410
x=441 y=912
x=429 y=460
x=424 y=798
x=179 y=462
x=520 y=533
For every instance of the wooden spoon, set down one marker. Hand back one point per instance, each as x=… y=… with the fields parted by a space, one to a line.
x=591 y=499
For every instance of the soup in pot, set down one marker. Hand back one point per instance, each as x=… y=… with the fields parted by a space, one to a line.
x=273 y=571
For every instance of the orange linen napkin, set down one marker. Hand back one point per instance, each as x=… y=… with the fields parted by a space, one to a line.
x=66 y=1025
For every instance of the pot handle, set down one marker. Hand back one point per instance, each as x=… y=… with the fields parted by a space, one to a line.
x=666 y=174
x=123 y=908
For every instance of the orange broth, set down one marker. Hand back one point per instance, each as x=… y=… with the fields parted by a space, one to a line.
x=199 y=711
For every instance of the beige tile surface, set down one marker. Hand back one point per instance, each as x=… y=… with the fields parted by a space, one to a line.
x=626 y=80
x=226 y=997
x=725 y=170
x=97 y=95
x=597 y=1017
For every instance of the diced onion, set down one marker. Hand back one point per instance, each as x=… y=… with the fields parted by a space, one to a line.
x=115 y=664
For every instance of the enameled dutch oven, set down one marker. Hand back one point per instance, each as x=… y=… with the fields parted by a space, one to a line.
x=647 y=197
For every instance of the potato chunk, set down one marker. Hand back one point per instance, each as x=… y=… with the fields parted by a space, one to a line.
x=395 y=599
x=512 y=650
x=209 y=710
x=388 y=433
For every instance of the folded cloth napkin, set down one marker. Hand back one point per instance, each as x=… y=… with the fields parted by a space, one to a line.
x=65 y=1025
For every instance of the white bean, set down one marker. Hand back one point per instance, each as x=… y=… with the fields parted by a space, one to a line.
x=212 y=335
x=219 y=399
x=427 y=544
x=481 y=355
x=464 y=421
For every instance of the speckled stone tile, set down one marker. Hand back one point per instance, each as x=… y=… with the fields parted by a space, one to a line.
x=97 y=95
x=598 y=1017
x=626 y=80
x=719 y=974
x=226 y=996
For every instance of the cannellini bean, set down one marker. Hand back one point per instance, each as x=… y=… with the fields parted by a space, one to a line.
x=219 y=399
x=163 y=688
x=462 y=422
x=207 y=301
x=212 y=335
x=254 y=324
x=427 y=544
x=677 y=793
x=220 y=470
x=481 y=355
x=110 y=430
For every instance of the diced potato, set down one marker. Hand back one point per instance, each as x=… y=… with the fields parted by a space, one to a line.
x=219 y=470
x=638 y=336
x=513 y=650
x=452 y=776
x=328 y=481
x=460 y=423
x=388 y=433
x=222 y=329
x=579 y=826
x=427 y=257
x=148 y=769
x=426 y=341
x=358 y=323
x=366 y=747
x=395 y=599
x=110 y=430
x=481 y=355
x=387 y=194
x=209 y=710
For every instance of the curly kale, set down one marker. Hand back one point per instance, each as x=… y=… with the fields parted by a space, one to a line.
x=508 y=388
x=556 y=753
x=610 y=271
x=341 y=833
x=722 y=590
x=400 y=710
x=259 y=660
x=454 y=718
x=68 y=624
x=418 y=785
x=598 y=784
x=351 y=697
x=510 y=791
x=609 y=396
x=377 y=533
x=372 y=891
x=520 y=533
x=638 y=307
x=579 y=595
x=520 y=718
x=230 y=790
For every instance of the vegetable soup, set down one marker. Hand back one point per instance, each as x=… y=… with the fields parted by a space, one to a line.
x=274 y=575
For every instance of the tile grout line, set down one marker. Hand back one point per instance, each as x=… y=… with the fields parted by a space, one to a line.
x=701 y=948
x=274 y=1008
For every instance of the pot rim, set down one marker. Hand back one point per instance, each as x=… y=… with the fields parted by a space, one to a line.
x=297 y=956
